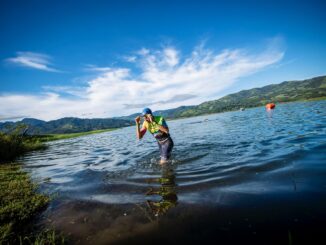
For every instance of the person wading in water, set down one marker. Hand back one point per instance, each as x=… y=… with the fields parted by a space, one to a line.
x=157 y=126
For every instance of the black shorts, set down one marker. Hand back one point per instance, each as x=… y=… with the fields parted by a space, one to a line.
x=166 y=148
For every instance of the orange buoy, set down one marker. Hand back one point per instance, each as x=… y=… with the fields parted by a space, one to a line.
x=270 y=106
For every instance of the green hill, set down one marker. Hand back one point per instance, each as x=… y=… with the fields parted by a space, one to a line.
x=314 y=88
x=65 y=125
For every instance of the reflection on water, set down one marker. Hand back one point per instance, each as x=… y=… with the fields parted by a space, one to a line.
x=167 y=191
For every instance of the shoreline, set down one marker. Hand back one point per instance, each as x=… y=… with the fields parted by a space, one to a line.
x=54 y=137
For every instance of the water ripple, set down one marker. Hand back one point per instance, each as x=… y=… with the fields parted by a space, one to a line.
x=250 y=151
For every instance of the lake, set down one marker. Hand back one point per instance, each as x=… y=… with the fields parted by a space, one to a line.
x=247 y=176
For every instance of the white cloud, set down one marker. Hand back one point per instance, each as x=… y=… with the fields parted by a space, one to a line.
x=33 y=60
x=171 y=57
x=164 y=79
x=66 y=90
x=130 y=59
x=143 y=51
x=97 y=69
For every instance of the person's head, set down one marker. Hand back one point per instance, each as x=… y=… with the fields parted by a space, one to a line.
x=147 y=114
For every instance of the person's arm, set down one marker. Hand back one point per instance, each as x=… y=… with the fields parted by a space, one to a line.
x=140 y=132
x=164 y=127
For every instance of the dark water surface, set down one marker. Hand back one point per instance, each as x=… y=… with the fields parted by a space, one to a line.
x=247 y=176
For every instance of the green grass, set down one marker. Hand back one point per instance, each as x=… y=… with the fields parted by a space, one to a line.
x=14 y=145
x=315 y=99
x=20 y=204
x=51 y=137
x=45 y=237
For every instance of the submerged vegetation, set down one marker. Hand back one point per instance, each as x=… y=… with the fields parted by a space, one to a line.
x=20 y=204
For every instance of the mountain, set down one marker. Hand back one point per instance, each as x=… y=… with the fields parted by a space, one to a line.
x=287 y=91
x=170 y=113
x=65 y=125
x=313 y=88
x=174 y=113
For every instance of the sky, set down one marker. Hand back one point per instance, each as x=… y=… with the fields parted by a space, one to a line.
x=100 y=59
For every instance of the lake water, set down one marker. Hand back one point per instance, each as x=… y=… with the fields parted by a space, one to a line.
x=250 y=175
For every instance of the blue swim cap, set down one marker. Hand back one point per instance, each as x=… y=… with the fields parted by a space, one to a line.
x=146 y=111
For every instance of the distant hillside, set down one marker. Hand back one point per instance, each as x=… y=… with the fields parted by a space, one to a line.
x=313 y=88
x=170 y=113
x=65 y=125
x=284 y=92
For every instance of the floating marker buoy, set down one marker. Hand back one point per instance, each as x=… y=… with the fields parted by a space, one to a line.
x=270 y=106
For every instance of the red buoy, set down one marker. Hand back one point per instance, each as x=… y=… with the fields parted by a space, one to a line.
x=270 y=106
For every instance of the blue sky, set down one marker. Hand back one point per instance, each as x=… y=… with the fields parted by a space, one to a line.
x=104 y=58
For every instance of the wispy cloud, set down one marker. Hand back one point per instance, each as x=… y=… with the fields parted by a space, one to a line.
x=11 y=118
x=162 y=79
x=97 y=68
x=33 y=60
x=75 y=91
x=130 y=59
x=175 y=98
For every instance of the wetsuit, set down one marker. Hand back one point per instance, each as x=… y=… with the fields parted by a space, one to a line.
x=164 y=140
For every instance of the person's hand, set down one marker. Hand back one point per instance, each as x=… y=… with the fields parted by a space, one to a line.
x=137 y=120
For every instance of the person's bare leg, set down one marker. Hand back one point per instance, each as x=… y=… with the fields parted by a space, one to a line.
x=163 y=161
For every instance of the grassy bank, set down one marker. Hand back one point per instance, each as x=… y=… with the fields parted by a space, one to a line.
x=14 y=145
x=19 y=205
x=51 y=137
